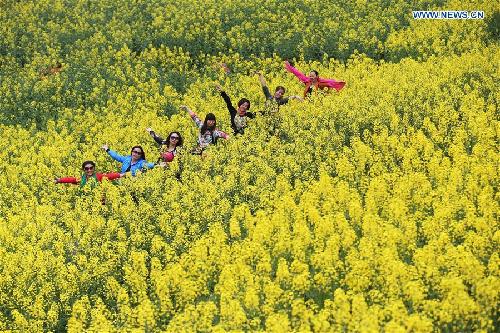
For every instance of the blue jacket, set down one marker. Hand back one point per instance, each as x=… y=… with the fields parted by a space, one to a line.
x=127 y=160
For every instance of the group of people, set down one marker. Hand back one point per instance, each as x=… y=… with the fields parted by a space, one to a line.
x=208 y=131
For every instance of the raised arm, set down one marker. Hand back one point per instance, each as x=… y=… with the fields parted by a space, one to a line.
x=114 y=155
x=159 y=140
x=226 y=98
x=193 y=116
x=262 y=80
x=263 y=83
x=331 y=83
x=301 y=76
x=229 y=106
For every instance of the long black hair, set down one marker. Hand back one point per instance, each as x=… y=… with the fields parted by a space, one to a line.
x=205 y=127
x=143 y=155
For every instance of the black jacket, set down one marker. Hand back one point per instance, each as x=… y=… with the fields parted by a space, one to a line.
x=233 y=113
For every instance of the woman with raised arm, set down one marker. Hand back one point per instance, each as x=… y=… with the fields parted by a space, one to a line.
x=273 y=102
x=89 y=176
x=238 y=116
x=208 y=130
x=313 y=80
x=134 y=162
x=169 y=147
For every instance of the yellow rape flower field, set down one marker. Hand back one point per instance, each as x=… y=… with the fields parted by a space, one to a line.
x=370 y=209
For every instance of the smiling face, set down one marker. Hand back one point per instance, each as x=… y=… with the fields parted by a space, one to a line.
x=242 y=109
x=211 y=123
x=313 y=76
x=89 y=170
x=279 y=93
x=136 y=154
x=174 y=139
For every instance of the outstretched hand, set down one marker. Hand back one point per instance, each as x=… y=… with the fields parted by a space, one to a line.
x=105 y=146
x=297 y=98
x=184 y=107
x=261 y=78
x=218 y=87
x=149 y=130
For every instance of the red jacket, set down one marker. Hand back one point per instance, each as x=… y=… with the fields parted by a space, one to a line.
x=99 y=176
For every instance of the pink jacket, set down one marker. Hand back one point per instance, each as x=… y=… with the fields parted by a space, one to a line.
x=320 y=84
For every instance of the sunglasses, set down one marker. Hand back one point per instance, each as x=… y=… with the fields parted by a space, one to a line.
x=174 y=137
x=137 y=152
x=88 y=168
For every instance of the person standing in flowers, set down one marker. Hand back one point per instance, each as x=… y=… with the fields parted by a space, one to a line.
x=169 y=147
x=313 y=80
x=209 y=134
x=51 y=71
x=89 y=176
x=238 y=116
x=273 y=102
x=133 y=163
